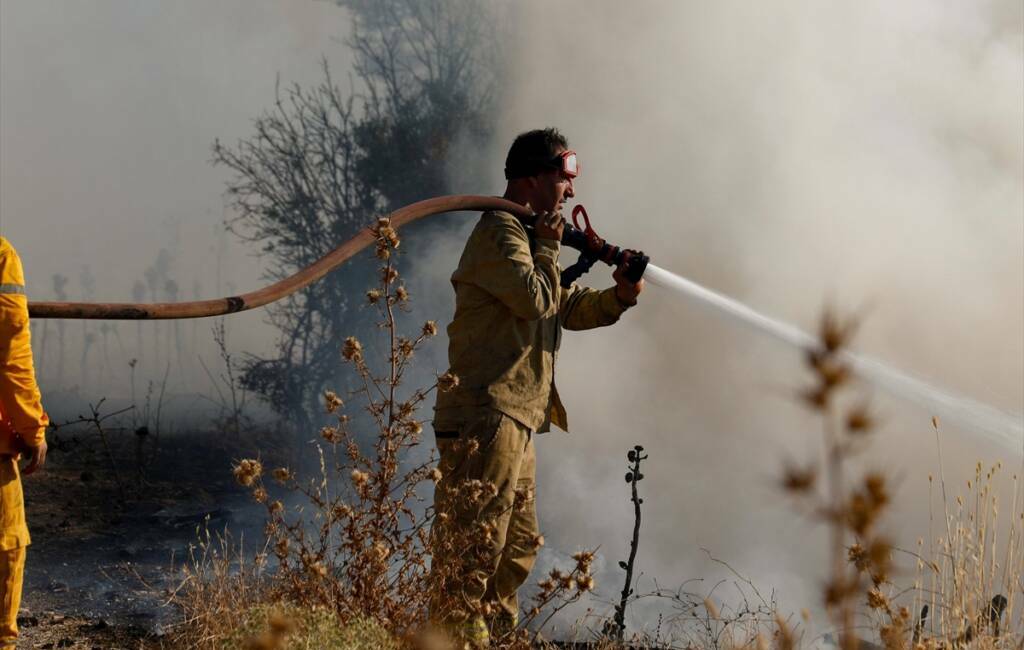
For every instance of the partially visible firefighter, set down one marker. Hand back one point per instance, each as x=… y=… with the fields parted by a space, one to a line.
x=510 y=310
x=22 y=434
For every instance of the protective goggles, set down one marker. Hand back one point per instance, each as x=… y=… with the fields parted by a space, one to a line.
x=566 y=162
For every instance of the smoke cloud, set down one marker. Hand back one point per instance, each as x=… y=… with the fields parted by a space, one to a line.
x=863 y=155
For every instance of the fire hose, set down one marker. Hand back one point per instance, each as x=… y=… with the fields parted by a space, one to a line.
x=1005 y=428
x=591 y=246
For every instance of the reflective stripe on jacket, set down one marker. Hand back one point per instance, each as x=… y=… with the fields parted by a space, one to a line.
x=505 y=335
x=21 y=409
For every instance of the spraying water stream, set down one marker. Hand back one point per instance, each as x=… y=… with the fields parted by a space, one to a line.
x=1004 y=428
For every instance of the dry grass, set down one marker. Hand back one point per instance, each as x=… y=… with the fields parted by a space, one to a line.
x=971 y=576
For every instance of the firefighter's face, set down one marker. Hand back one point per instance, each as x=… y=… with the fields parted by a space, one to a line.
x=551 y=189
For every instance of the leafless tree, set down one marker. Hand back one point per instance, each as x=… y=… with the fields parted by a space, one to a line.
x=322 y=162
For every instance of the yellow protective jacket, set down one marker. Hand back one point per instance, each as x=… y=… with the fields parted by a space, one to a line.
x=509 y=314
x=22 y=419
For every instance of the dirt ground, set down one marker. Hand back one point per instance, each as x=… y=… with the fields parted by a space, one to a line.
x=107 y=543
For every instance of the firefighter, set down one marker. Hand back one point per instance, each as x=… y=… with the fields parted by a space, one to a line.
x=22 y=433
x=510 y=311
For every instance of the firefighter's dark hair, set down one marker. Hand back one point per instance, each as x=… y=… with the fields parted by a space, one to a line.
x=533 y=152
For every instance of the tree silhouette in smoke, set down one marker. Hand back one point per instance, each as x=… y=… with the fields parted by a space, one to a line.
x=322 y=163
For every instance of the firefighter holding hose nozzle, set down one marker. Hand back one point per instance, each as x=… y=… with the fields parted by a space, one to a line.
x=22 y=432
x=510 y=310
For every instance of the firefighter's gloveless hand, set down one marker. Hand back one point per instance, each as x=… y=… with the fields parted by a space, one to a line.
x=549 y=225
x=36 y=458
x=625 y=290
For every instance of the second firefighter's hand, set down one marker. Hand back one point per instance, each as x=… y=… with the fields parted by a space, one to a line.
x=549 y=225
x=36 y=458
x=625 y=290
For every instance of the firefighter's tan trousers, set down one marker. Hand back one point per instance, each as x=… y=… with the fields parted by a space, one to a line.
x=490 y=450
x=13 y=540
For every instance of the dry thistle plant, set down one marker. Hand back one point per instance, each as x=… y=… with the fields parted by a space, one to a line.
x=860 y=557
x=361 y=543
x=358 y=546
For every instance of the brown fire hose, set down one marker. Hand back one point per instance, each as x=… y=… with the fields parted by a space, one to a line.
x=280 y=289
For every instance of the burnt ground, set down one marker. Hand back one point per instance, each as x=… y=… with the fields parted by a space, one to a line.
x=105 y=548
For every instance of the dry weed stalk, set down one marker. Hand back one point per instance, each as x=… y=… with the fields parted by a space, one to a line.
x=860 y=557
x=359 y=546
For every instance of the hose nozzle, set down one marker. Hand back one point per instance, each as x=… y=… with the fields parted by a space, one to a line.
x=592 y=248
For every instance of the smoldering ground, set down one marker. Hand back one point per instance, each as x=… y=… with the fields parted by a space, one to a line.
x=864 y=154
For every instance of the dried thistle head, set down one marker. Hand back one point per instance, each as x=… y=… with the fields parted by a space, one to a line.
x=331 y=401
x=402 y=294
x=406 y=347
x=373 y=296
x=282 y=475
x=875 y=487
x=429 y=329
x=388 y=274
x=260 y=494
x=859 y=419
x=816 y=398
x=247 y=471
x=386 y=233
x=352 y=350
x=447 y=382
x=331 y=434
x=583 y=560
x=858 y=556
x=876 y=599
x=834 y=333
x=797 y=479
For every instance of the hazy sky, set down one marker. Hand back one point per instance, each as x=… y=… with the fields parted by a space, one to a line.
x=108 y=111
x=868 y=154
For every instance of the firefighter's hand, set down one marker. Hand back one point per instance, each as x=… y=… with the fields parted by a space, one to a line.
x=36 y=458
x=549 y=225
x=625 y=290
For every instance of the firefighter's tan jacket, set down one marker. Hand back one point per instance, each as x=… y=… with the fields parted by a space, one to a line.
x=509 y=314
x=22 y=419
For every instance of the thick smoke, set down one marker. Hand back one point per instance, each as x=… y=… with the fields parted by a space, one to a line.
x=863 y=155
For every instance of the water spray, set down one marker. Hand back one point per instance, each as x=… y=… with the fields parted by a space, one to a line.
x=1007 y=429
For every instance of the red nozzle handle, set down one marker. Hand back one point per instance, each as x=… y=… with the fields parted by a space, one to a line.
x=576 y=212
